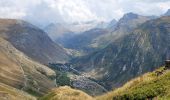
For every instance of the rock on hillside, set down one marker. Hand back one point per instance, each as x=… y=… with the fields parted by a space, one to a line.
x=32 y=41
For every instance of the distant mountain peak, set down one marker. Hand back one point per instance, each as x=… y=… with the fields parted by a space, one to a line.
x=130 y=21
x=129 y=16
x=112 y=24
x=113 y=21
x=167 y=13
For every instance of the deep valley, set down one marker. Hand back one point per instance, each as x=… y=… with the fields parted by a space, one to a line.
x=120 y=59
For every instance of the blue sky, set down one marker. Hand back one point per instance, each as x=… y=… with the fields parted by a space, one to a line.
x=47 y=11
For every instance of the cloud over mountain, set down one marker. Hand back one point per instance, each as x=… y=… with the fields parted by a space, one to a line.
x=47 y=11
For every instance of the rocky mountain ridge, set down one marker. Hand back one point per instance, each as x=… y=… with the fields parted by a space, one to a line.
x=129 y=56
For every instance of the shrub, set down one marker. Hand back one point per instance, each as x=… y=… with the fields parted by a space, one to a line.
x=63 y=79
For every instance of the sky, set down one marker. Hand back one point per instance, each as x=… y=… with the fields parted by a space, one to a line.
x=43 y=12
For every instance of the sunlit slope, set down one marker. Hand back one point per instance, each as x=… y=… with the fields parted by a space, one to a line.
x=66 y=93
x=148 y=86
x=10 y=93
x=19 y=71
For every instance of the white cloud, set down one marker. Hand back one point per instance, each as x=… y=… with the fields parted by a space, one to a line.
x=74 y=10
x=6 y=12
x=47 y=11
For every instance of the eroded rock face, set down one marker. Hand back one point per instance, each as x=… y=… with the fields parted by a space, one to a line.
x=19 y=71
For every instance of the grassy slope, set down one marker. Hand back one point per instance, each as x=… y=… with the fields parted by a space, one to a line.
x=66 y=93
x=10 y=93
x=19 y=71
x=150 y=85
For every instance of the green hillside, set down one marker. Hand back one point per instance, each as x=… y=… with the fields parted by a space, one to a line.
x=153 y=85
x=66 y=93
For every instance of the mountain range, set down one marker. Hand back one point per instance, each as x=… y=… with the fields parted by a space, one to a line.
x=94 y=57
x=58 y=30
x=82 y=42
x=88 y=41
x=32 y=41
x=129 y=56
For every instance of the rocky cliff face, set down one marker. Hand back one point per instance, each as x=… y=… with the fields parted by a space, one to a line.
x=32 y=41
x=131 y=55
